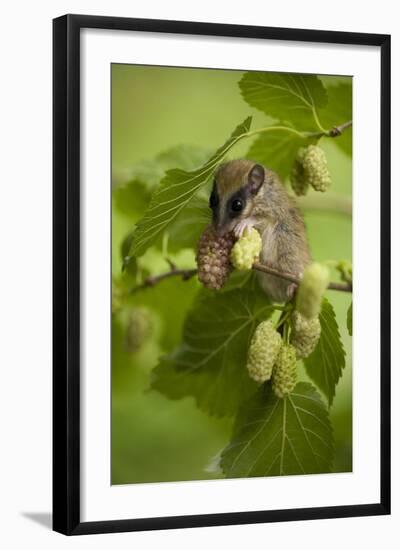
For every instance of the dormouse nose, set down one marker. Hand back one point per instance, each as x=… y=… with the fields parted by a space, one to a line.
x=220 y=229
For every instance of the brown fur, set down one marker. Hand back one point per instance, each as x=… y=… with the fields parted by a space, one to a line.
x=232 y=175
x=275 y=215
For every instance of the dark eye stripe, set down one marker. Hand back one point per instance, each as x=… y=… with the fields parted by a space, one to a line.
x=214 y=200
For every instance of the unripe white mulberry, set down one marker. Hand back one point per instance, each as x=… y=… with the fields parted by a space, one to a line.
x=305 y=334
x=297 y=177
x=246 y=250
x=213 y=258
x=311 y=290
x=310 y=168
x=263 y=351
x=284 y=375
x=117 y=299
x=139 y=328
x=345 y=269
x=316 y=170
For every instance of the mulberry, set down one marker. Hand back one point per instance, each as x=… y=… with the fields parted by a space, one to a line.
x=117 y=299
x=297 y=178
x=263 y=351
x=284 y=375
x=138 y=330
x=305 y=334
x=311 y=290
x=310 y=168
x=316 y=168
x=213 y=258
x=246 y=250
x=345 y=269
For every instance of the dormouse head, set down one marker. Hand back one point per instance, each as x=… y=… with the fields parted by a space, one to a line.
x=236 y=183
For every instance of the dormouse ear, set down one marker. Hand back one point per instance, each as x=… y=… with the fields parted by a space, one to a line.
x=256 y=178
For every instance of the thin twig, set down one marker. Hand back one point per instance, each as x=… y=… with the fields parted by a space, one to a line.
x=343 y=287
x=333 y=132
x=187 y=274
x=338 y=130
x=153 y=280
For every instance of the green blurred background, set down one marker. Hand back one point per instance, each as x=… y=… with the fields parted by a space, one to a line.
x=153 y=109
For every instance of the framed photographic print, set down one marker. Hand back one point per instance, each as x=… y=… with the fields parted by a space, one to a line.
x=221 y=199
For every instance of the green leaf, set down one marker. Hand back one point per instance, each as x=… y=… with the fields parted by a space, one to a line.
x=170 y=300
x=210 y=364
x=129 y=263
x=175 y=192
x=287 y=97
x=277 y=150
x=151 y=171
x=185 y=230
x=133 y=195
x=350 y=319
x=337 y=111
x=273 y=436
x=325 y=365
x=339 y=106
x=186 y=157
x=131 y=199
x=241 y=279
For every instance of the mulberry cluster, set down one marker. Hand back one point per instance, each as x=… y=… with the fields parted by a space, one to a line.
x=213 y=258
x=305 y=334
x=316 y=168
x=310 y=168
x=284 y=375
x=117 y=299
x=311 y=290
x=138 y=330
x=263 y=351
x=298 y=181
x=246 y=250
x=345 y=269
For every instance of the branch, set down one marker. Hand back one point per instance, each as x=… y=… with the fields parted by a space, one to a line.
x=333 y=132
x=153 y=280
x=187 y=274
x=338 y=130
x=343 y=287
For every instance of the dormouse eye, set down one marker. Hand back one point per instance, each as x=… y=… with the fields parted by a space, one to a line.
x=237 y=205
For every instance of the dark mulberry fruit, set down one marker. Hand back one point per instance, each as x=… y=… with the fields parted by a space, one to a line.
x=213 y=258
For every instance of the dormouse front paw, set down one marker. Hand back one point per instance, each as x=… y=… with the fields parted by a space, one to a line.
x=241 y=226
x=290 y=290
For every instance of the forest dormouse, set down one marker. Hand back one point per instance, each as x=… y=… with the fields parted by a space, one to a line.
x=246 y=194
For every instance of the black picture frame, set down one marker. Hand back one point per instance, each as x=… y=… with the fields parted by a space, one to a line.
x=66 y=273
